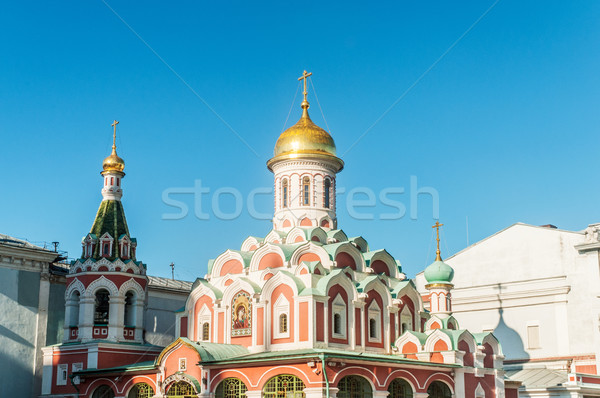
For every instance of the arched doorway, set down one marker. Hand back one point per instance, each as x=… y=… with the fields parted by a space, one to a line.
x=231 y=388
x=284 y=386
x=141 y=390
x=400 y=388
x=437 y=389
x=181 y=389
x=103 y=392
x=354 y=387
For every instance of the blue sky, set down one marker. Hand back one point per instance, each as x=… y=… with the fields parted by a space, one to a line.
x=504 y=126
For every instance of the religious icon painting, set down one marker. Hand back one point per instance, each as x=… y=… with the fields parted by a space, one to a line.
x=241 y=315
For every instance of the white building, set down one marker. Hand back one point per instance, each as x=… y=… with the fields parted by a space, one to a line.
x=538 y=290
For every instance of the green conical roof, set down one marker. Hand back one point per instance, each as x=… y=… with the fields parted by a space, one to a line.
x=110 y=218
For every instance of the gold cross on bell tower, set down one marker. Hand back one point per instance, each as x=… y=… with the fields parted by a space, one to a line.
x=114 y=124
x=437 y=225
x=304 y=77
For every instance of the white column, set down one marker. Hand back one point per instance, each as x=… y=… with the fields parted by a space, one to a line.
x=70 y=306
x=86 y=318
x=116 y=318
x=139 y=321
x=459 y=382
x=499 y=383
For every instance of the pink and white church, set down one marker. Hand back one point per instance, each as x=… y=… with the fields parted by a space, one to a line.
x=303 y=312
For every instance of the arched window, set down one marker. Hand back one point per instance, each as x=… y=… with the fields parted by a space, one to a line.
x=105 y=249
x=74 y=312
x=181 y=389
x=354 y=387
x=102 y=307
x=231 y=388
x=129 y=309
x=206 y=331
x=284 y=193
x=141 y=390
x=103 y=392
x=284 y=386
x=373 y=328
x=399 y=388
x=337 y=323
x=327 y=189
x=306 y=191
x=283 y=323
x=437 y=389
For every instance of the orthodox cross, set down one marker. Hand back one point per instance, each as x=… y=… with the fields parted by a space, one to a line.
x=114 y=124
x=304 y=77
x=437 y=226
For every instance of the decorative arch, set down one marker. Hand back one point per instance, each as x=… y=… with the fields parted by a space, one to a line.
x=141 y=390
x=439 y=389
x=310 y=248
x=353 y=253
x=354 y=386
x=383 y=262
x=132 y=284
x=219 y=266
x=101 y=283
x=75 y=285
x=493 y=342
x=400 y=388
x=433 y=338
x=231 y=387
x=262 y=252
x=377 y=285
x=289 y=385
x=249 y=243
x=177 y=380
x=408 y=340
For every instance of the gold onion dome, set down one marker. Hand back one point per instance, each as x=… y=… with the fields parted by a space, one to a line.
x=113 y=162
x=305 y=139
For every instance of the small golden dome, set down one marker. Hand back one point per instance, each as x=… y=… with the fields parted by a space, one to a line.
x=113 y=162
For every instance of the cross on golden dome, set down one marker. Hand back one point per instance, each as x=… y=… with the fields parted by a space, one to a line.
x=437 y=225
x=114 y=124
x=304 y=77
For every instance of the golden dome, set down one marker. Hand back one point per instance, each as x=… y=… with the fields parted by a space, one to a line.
x=305 y=139
x=113 y=162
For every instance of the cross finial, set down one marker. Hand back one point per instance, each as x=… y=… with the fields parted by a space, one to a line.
x=437 y=225
x=114 y=124
x=304 y=77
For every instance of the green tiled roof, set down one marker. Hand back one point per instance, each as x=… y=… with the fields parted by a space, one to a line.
x=110 y=218
x=210 y=352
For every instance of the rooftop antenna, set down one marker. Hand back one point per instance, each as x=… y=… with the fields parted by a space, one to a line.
x=55 y=246
x=172 y=265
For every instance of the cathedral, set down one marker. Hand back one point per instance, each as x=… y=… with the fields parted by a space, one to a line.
x=303 y=312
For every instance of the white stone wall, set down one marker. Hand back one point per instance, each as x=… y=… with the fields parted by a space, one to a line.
x=526 y=276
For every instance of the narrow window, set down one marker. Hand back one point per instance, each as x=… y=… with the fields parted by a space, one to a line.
x=337 y=323
x=118 y=182
x=533 y=336
x=372 y=328
x=306 y=191
x=129 y=317
x=283 y=324
x=106 y=181
x=102 y=307
x=205 y=331
x=105 y=249
x=112 y=180
x=327 y=189
x=284 y=188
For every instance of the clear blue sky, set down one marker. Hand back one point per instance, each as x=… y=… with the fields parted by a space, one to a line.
x=504 y=127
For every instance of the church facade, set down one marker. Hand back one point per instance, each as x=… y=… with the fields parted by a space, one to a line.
x=305 y=311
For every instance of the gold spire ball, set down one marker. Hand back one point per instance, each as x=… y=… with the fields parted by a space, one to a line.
x=305 y=138
x=113 y=162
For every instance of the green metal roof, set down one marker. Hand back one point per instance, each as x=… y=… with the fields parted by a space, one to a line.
x=210 y=352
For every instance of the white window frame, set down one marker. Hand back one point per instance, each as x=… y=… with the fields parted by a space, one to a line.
x=62 y=370
x=339 y=307
x=182 y=364
x=530 y=346
x=76 y=367
x=405 y=314
x=374 y=312
x=203 y=317
x=281 y=306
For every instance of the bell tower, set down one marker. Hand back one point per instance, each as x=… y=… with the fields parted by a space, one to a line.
x=107 y=286
x=305 y=166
